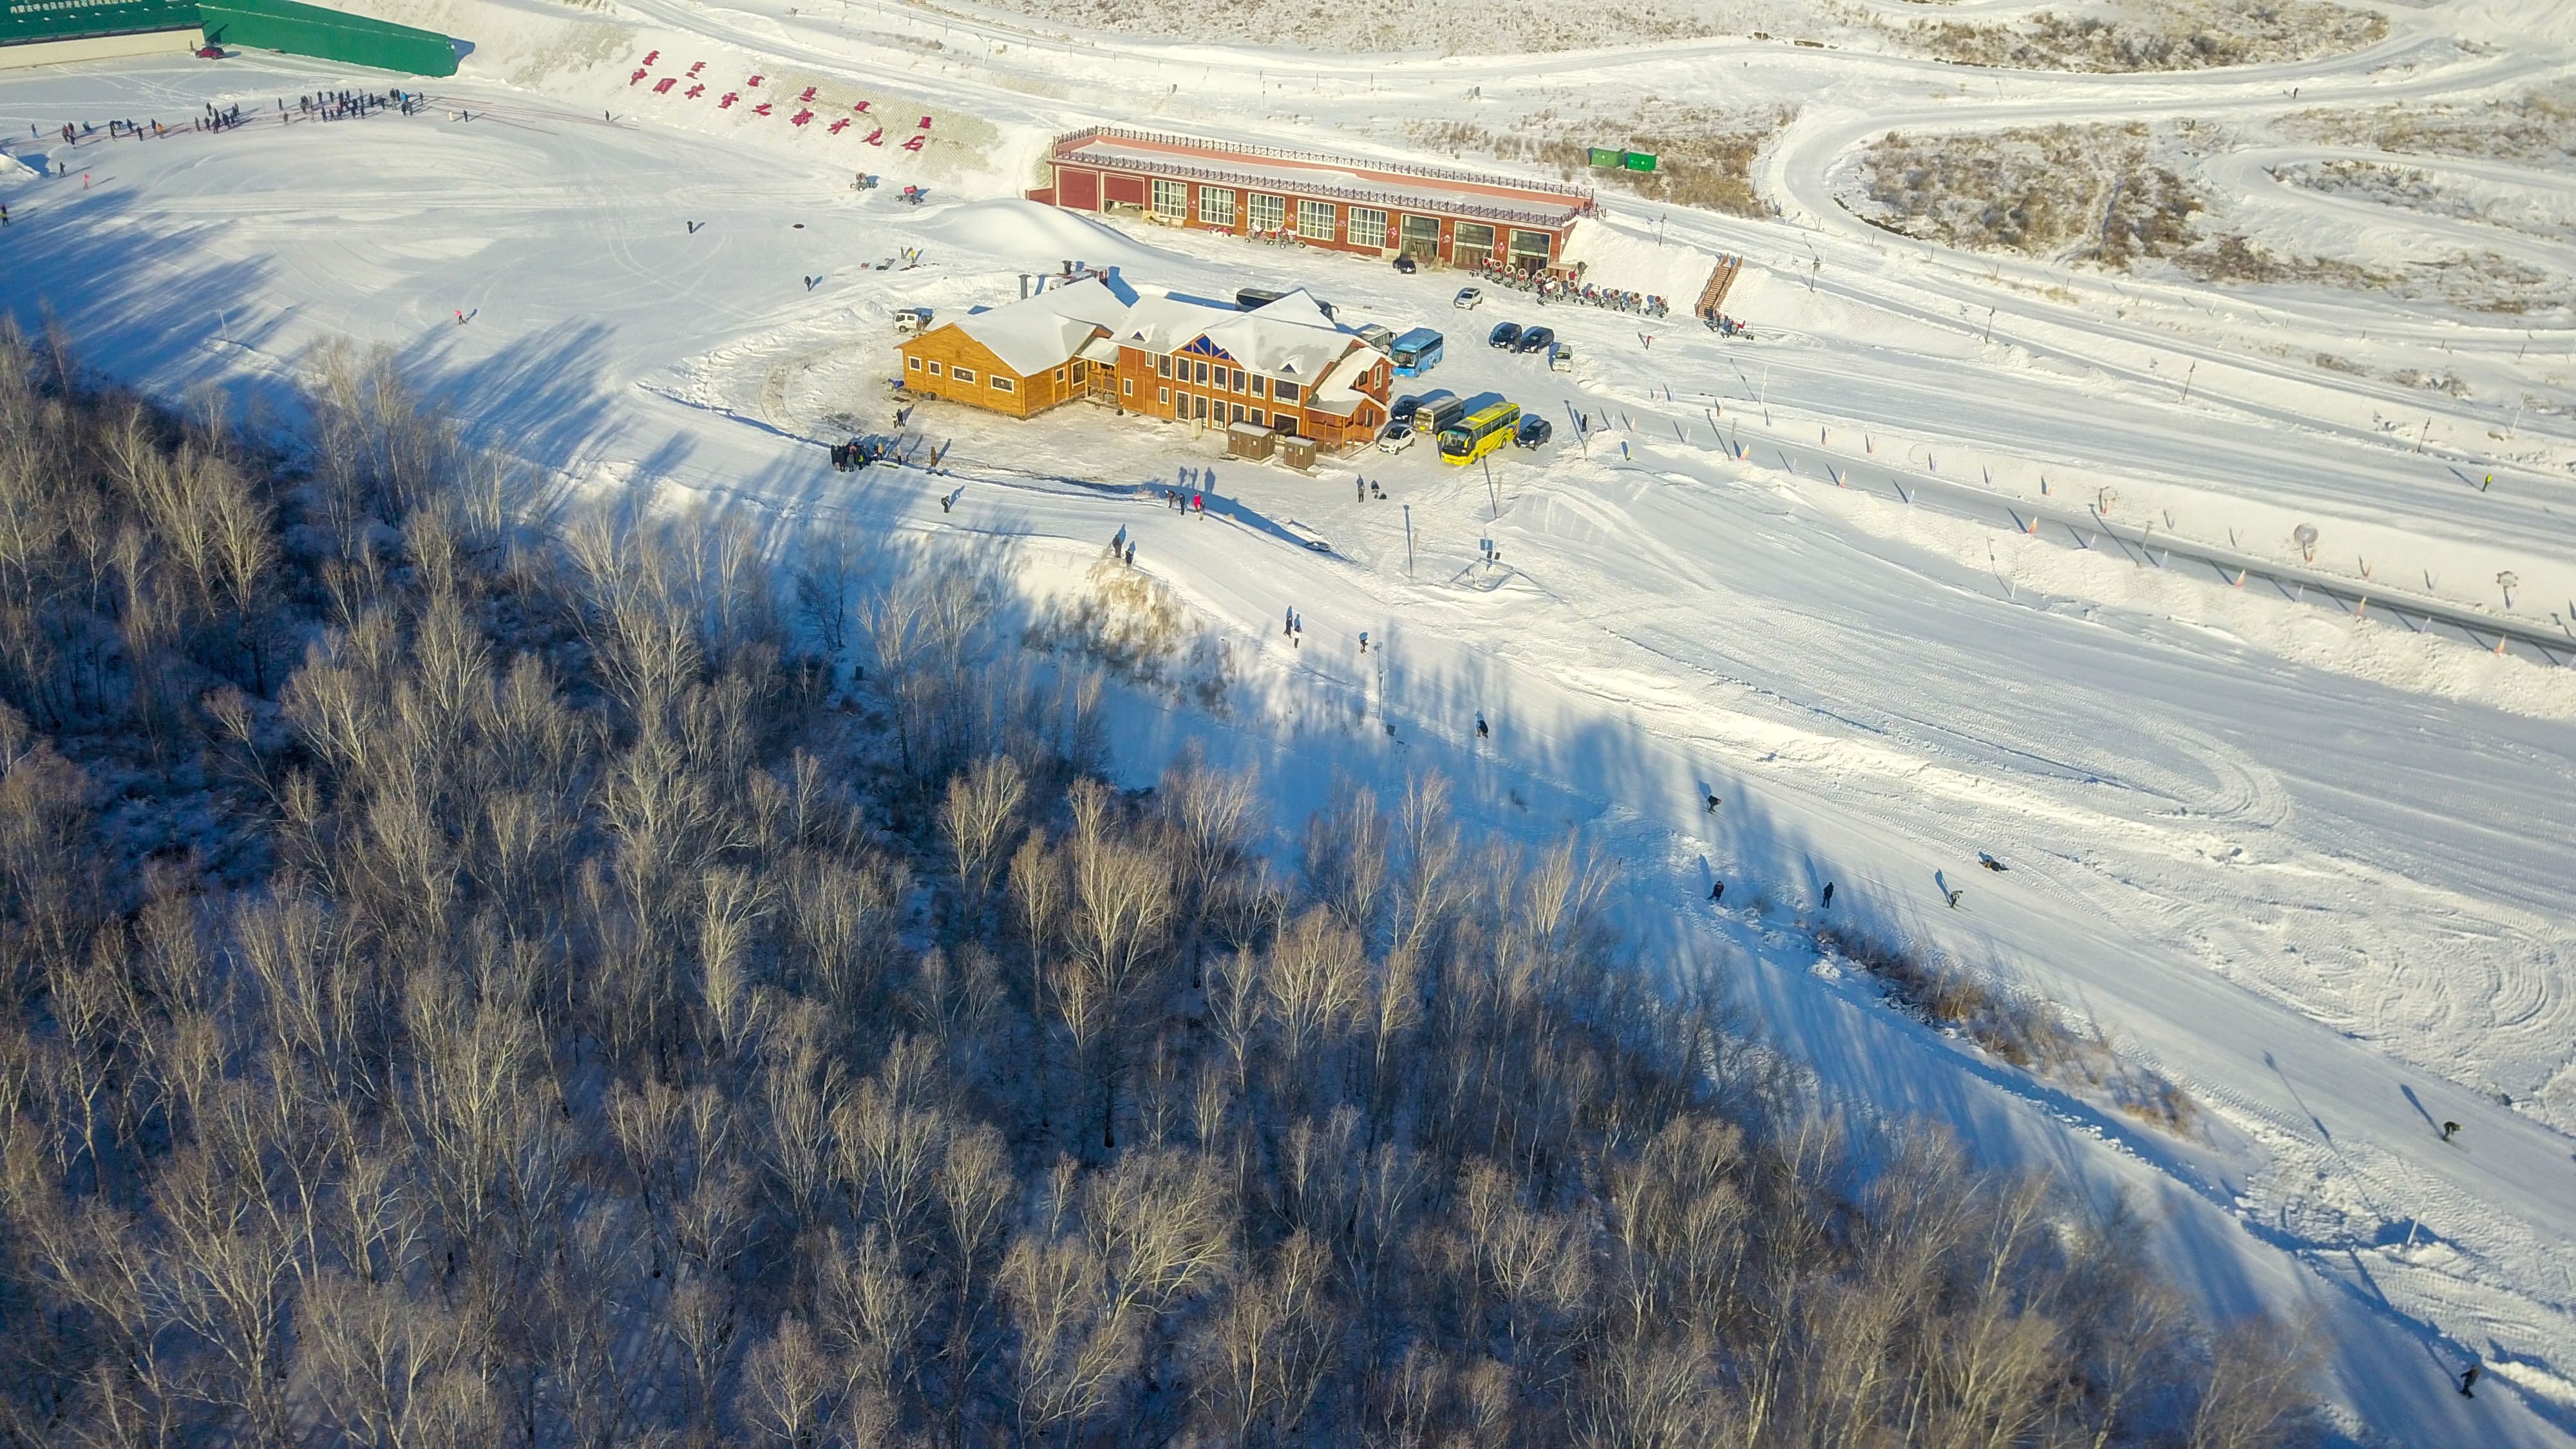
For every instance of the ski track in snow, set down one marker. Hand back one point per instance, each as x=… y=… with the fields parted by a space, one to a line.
x=2313 y=868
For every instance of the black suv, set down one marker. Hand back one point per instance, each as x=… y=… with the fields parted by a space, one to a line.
x=1504 y=334
x=1537 y=339
x=1404 y=409
x=1534 y=433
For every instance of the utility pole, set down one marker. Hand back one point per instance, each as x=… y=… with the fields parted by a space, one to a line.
x=1408 y=540
x=1490 y=492
x=2186 y=378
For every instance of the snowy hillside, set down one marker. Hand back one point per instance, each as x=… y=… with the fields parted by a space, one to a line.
x=1962 y=551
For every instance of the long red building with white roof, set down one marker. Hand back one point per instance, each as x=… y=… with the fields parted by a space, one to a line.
x=1381 y=208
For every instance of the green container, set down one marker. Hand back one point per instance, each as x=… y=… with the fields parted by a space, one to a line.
x=328 y=34
x=1637 y=160
x=1601 y=157
x=32 y=20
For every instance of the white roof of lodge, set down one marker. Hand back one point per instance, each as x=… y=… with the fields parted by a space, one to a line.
x=1338 y=392
x=1036 y=333
x=1290 y=338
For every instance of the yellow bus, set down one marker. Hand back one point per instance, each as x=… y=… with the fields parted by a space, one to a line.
x=1475 y=436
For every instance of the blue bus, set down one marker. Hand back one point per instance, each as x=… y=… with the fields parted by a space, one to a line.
x=1416 y=352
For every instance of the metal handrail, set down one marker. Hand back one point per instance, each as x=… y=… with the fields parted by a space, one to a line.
x=1404 y=168
x=1326 y=189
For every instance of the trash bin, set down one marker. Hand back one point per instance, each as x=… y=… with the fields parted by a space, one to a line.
x=1297 y=453
x=1245 y=440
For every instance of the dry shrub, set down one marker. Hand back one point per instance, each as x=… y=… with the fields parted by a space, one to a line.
x=1130 y=624
x=2018 y=1027
x=1703 y=155
x=2051 y=192
x=2170 y=35
x=2535 y=125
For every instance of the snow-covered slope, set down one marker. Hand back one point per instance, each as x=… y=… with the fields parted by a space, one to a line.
x=2313 y=867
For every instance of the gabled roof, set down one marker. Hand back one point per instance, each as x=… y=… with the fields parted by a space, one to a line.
x=1167 y=324
x=1044 y=331
x=1339 y=391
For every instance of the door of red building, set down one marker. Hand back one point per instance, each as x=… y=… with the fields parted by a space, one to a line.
x=1076 y=189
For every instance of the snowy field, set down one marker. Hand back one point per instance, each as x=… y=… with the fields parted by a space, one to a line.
x=2315 y=868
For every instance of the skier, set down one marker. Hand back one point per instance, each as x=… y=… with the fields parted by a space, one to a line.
x=1363 y=641
x=1198 y=504
x=2448 y=1128
x=1713 y=803
x=1992 y=864
x=2469 y=1379
x=1288 y=620
x=1717 y=892
x=1360 y=487
x=1829 y=895
x=4 y=213
x=1955 y=893
x=1481 y=731
x=1131 y=555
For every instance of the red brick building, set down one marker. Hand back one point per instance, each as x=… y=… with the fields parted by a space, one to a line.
x=1377 y=208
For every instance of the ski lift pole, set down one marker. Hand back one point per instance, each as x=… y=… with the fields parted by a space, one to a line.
x=1408 y=540
x=1490 y=493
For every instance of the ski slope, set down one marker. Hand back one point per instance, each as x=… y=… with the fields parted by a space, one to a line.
x=2315 y=868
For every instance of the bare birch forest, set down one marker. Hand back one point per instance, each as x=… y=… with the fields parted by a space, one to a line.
x=482 y=980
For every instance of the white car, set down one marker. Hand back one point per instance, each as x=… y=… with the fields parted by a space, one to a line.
x=1560 y=358
x=1396 y=438
x=1468 y=298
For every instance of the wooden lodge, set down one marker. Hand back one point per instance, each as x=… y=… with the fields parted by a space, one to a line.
x=1284 y=367
x=1023 y=358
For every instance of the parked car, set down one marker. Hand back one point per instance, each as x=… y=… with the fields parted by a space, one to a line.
x=1396 y=438
x=1468 y=298
x=1404 y=265
x=1375 y=336
x=1534 y=432
x=1536 y=339
x=1560 y=358
x=1504 y=335
x=1402 y=411
x=210 y=52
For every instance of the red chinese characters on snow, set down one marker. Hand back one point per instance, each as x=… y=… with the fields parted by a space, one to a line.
x=876 y=137
x=761 y=110
x=800 y=118
x=835 y=127
x=729 y=98
x=913 y=142
x=640 y=73
x=695 y=67
x=663 y=86
x=809 y=94
x=693 y=92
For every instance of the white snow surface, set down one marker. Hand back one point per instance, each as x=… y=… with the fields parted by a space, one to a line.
x=2315 y=868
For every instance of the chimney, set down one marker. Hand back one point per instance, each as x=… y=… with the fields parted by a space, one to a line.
x=1024 y=286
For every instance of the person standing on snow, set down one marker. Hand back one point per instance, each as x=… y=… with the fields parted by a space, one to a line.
x=2469 y=1379
x=1481 y=731
x=1829 y=895
x=1713 y=803
x=1717 y=892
